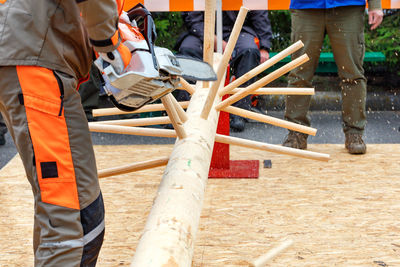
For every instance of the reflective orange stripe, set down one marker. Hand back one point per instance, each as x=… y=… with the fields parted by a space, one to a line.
x=257 y=41
x=115 y=38
x=120 y=6
x=49 y=135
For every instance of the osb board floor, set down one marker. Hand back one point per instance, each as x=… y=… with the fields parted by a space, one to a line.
x=341 y=213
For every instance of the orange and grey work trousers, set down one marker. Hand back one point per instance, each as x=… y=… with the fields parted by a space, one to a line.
x=44 y=115
x=345 y=29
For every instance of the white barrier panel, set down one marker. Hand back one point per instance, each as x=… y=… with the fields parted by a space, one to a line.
x=191 y=5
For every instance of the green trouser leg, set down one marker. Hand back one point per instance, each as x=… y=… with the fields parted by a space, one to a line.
x=307 y=26
x=345 y=27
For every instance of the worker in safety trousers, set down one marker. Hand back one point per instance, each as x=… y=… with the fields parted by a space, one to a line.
x=3 y=131
x=45 y=50
x=343 y=22
x=252 y=48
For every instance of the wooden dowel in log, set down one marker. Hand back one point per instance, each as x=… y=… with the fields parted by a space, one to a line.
x=280 y=91
x=263 y=260
x=179 y=109
x=187 y=86
x=116 y=129
x=263 y=81
x=271 y=120
x=208 y=40
x=138 y=166
x=224 y=62
x=225 y=139
x=174 y=117
x=146 y=108
x=260 y=68
x=218 y=138
x=136 y=122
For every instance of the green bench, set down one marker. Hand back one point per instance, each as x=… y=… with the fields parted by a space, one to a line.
x=327 y=62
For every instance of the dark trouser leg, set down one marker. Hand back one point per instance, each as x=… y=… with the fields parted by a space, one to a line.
x=89 y=92
x=245 y=57
x=191 y=46
x=346 y=33
x=309 y=27
x=3 y=130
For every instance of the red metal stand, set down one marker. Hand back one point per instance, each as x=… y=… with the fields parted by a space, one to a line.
x=221 y=166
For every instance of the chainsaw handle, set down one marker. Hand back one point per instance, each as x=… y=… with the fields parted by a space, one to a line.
x=146 y=27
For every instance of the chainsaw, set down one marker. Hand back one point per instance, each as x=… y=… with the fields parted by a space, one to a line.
x=153 y=71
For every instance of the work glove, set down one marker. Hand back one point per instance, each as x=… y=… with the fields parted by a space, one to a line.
x=119 y=58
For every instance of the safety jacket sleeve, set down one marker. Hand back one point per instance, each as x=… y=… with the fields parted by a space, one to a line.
x=374 y=4
x=194 y=22
x=262 y=27
x=101 y=20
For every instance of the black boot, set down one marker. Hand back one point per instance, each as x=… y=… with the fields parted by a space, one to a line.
x=237 y=123
x=2 y=139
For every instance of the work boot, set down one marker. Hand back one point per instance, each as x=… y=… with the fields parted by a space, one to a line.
x=237 y=123
x=2 y=139
x=296 y=140
x=3 y=131
x=355 y=144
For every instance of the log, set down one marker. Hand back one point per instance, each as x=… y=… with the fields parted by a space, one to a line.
x=265 y=80
x=172 y=225
x=271 y=120
x=138 y=166
x=147 y=108
x=260 y=68
x=224 y=62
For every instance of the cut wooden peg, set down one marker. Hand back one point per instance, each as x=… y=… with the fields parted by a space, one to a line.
x=136 y=122
x=271 y=120
x=187 y=86
x=260 y=68
x=146 y=108
x=280 y=91
x=258 y=84
x=138 y=166
x=174 y=117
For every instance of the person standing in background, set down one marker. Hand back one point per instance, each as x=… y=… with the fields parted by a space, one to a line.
x=343 y=22
x=252 y=48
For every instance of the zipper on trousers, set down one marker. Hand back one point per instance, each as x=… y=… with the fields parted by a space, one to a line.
x=61 y=87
